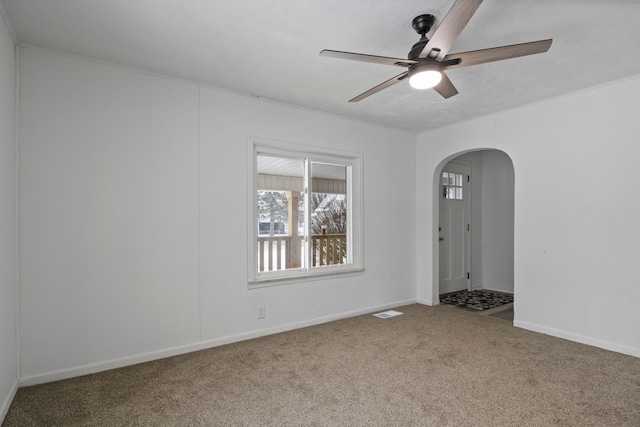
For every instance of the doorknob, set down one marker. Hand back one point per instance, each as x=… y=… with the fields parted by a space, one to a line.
x=441 y=238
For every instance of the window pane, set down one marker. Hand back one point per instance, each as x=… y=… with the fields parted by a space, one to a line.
x=452 y=193
x=459 y=180
x=459 y=193
x=279 y=186
x=288 y=185
x=445 y=178
x=328 y=204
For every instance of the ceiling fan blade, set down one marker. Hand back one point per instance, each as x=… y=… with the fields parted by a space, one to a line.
x=384 y=60
x=449 y=29
x=475 y=57
x=381 y=86
x=445 y=87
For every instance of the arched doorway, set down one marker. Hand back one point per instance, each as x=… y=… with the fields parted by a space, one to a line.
x=474 y=222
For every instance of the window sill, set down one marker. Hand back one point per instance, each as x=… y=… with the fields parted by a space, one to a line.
x=308 y=277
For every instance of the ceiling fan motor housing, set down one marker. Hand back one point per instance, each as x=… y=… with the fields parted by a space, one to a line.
x=422 y=24
x=416 y=50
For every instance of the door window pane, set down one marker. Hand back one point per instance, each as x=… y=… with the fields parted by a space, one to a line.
x=452 y=185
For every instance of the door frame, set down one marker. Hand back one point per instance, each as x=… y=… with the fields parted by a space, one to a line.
x=431 y=286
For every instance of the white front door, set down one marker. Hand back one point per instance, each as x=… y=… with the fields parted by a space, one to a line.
x=454 y=227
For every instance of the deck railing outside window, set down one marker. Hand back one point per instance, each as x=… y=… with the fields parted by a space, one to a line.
x=329 y=249
x=274 y=251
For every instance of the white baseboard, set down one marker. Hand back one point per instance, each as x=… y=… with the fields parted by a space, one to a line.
x=174 y=351
x=505 y=289
x=425 y=302
x=4 y=409
x=578 y=338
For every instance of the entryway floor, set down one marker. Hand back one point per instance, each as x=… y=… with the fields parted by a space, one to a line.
x=503 y=312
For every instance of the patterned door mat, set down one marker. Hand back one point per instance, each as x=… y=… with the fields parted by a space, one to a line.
x=477 y=300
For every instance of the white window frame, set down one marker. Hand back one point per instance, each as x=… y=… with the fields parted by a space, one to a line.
x=355 y=247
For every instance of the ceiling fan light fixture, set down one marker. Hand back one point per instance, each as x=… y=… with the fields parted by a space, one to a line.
x=425 y=76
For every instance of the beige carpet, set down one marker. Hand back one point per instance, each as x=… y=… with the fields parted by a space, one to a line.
x=432 y=366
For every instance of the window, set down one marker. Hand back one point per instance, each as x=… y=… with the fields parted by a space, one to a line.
x=452 y=185
x=305 y=214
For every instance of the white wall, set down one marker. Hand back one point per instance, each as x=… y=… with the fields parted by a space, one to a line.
x=133 y=217
x=576 y=234
x=497 y=221
x=8 y=255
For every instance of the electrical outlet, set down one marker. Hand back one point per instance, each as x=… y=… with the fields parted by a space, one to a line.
x=261 y=311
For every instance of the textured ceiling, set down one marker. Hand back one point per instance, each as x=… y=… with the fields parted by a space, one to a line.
x=270 y=48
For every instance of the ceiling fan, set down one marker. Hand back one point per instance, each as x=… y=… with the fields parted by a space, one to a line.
x=428 y=58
